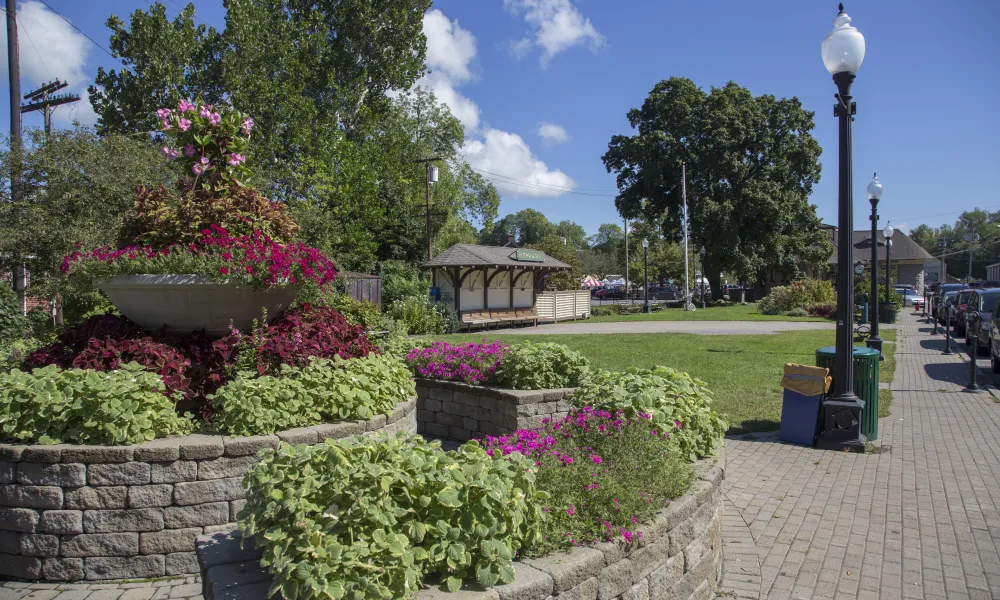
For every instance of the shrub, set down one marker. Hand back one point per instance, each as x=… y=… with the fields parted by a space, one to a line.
x=254 y=260
x=323 y=390
x=326 y=515
x=401 y=280
x=51 y=405
x=827 y=311
x=449 y=317
x=798 y=312
x=418 y=315
x=679 y=404
x=605 y=475
x=470 y=363
x=541 y=366
x=800 y=294
x=400 y=345
x=210 y=143
x=603 y=311
x=13 y=353
x=13 y=324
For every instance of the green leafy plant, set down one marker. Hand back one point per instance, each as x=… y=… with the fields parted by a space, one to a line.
x=124 y=406
x=449 y=317
x=804 y=294
x=798 y=311
x=679 y=404
x=401 y=279
x=419 y=316
x=323 y=390
x=372 y=517
x=13 y=324
x=603 y=311
x=531 y=366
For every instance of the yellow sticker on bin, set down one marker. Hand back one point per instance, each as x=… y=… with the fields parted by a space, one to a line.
x=806 y=380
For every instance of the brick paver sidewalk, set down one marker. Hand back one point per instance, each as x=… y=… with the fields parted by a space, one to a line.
x=919 y=519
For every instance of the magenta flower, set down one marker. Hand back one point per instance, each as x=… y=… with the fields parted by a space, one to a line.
x=163 y=113
x=205 y=111
x=205 y=161
x=247 y=125
x=184 y=124
x=235 y=159
x=189 y=150
x=197 y=169
x=164 y=125
x=169 y=152
x=184 y=106
x=214 y=118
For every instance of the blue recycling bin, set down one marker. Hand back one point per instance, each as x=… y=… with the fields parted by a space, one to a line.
x=805 y=387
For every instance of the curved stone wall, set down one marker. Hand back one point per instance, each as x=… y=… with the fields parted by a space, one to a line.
x=680 y=557
x=71 y=512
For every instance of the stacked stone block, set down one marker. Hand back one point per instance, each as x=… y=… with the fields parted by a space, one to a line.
x=460 y=411
x=679 y=558
x=70 y=512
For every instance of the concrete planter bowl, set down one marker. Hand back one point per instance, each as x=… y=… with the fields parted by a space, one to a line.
x=185 y=303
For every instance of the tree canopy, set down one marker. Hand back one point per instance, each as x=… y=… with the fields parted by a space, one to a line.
x=751 y=165
x=958 y=239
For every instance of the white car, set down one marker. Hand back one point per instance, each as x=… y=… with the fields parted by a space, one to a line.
x=910 y=296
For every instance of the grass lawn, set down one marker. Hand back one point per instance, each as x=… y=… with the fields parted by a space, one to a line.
x=742 y=371
x=735 y=312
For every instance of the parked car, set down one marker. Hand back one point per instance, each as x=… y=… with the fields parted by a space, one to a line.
x=910 y=295
x=944 y=305
x=667 y=292
x=617 y=293
x=979 y=318
x=938 y=298
x=961 y=307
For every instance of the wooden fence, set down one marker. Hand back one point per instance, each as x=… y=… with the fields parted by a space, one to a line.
x=561 y=306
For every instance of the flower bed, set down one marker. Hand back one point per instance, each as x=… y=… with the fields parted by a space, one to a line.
x=525 y=366
x=70 y=512
x=469 y=363
x=680 y=557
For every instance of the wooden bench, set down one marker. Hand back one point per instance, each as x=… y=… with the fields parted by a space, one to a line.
x=628 y=308
x=505 y=315
x=470 y=319
x=527 y=314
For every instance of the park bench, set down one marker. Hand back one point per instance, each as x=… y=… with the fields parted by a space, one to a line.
x=627 y=308
x=472 y=318
x=527 y=314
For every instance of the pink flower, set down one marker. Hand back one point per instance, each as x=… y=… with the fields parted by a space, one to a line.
x=571 y=511
x=197 y=169
x=596 y=459
x=236 y=159
x=679 y=425
x=247 y=125
x=224 y=270
x=184 y=124
x=205 y=160
x=204 y=111
x=163 y=114
x=169 y=152
x=214 y=118
x=165 y=125
x=189 y=150
x=184 y=106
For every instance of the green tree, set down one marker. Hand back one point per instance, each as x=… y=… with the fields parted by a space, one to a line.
x=751 y=164
x=553 y=245
x=608 y=237
x=528 y=227
x=75 y=189
x=576 y=236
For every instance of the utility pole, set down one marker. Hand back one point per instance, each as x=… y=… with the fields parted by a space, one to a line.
x=627 y=295
x=40 y=100
x=973 y=239
x=688 y=305
x=14 y=70
x=430 y=176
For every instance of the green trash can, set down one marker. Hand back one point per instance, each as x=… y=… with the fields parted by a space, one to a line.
x=887 y=314
x=866 y=374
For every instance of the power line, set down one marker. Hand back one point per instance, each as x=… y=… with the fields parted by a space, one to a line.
x=533 y=183
x=540 y=186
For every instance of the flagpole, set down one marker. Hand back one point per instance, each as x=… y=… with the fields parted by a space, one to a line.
x=687 y=288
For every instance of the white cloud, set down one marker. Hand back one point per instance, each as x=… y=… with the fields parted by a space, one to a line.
x=509 y=164
x=49 y=48
x=552 y=133
x=451 y=53
x=556 y=25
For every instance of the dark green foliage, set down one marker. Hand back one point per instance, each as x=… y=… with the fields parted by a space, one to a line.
x=751 y=164
x=531 y=366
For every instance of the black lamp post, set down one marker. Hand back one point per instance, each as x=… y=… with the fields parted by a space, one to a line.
x=887 y=232
x=645 y=275
x=703 y=280
x=843 y=52
x=874 y=194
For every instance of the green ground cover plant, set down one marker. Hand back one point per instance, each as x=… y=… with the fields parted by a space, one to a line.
x=372 y=517
x=52 y=406
x=677 y=404
x=323 y=390
x=732 y=312
x=537 y=366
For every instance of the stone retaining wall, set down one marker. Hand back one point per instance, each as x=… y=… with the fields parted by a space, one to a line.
x=71 y=512
x=451 y=409
x=679 y=558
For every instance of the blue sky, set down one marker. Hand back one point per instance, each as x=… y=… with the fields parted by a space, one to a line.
x=542 y=85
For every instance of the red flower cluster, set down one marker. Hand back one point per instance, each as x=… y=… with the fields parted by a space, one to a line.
x=255 y=259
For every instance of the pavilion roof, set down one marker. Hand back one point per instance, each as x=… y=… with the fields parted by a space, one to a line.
x=472 y=255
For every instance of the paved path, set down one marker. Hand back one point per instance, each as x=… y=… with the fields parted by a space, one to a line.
x=920 y=519
x=699 y=327
x=180 y=588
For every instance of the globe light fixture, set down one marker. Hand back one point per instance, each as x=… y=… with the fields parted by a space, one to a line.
x=843 y=51
x=645 y=243
x=888 y=231
x=875 y=188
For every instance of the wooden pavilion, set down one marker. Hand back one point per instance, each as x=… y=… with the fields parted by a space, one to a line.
x=491 y=284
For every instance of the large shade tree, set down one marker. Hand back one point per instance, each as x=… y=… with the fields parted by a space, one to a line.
x=751 y=165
